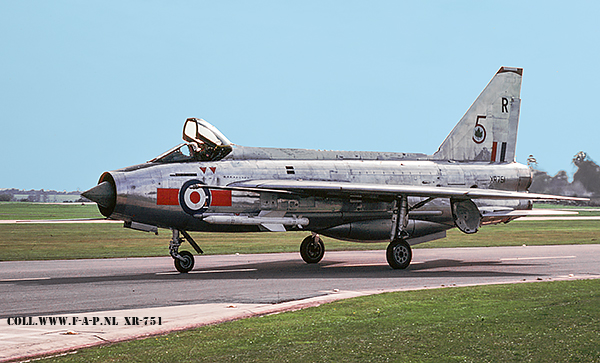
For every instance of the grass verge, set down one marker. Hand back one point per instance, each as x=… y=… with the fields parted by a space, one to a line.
x=70 y=241
x=30 y=211
x=539 y=322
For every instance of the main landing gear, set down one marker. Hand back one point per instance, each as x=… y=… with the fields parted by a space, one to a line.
x=399 y=253
x=184 y=260
x=312 y=249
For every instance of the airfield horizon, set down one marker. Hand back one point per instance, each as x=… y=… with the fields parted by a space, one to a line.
x=74 y=241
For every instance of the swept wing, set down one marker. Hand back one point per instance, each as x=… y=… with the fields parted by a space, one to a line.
x=384 y=191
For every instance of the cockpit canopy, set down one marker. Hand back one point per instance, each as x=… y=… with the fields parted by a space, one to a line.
x=199 y=131
x=204 y=143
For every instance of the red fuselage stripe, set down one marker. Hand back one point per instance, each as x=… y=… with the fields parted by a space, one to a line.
x=166 y=196
x=220 y=198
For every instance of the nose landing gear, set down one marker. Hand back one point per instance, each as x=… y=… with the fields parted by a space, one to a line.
x=184 y=260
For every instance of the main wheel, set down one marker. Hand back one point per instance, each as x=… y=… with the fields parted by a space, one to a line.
x=312 y=249
x=399 y=254
x=185 y=265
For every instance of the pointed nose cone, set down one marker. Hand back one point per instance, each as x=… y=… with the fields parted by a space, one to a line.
x=103 y=194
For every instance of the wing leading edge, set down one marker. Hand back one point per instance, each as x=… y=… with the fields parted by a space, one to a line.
x=384 y=191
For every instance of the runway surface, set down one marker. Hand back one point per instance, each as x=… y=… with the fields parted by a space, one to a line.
x=75 y=286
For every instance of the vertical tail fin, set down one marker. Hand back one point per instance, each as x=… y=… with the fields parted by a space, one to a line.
x=488 y=131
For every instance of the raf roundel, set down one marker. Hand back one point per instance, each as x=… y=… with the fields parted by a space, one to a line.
x=194 y=197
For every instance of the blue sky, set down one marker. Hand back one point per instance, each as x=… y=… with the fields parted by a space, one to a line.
x=90 y=86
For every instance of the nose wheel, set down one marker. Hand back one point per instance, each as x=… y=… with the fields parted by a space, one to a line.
x=184 y=264
x=312 y=249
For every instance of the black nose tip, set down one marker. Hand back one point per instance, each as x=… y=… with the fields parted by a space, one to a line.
x=103 y=194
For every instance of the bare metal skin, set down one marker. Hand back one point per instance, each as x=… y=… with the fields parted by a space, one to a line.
x=210 y=184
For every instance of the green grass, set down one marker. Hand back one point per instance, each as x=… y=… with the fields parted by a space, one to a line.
x=529 y=233
x=560 y=206
x=533 y=322
x=588 y=214
x=27 y=211
x=581 y=210
x=69 y=241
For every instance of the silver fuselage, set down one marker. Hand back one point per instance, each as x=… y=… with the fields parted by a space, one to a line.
x=358 y=218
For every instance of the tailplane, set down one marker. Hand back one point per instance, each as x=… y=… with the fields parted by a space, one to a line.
x=488 y=131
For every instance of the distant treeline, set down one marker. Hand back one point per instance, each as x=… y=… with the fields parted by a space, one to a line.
x=586 y=180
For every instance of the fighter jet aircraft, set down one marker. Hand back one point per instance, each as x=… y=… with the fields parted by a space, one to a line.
x=210 y=184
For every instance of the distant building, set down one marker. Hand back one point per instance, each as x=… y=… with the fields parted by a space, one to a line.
x=39 y=196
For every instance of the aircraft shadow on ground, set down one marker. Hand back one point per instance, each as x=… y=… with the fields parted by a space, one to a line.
x=297 y=269
x=300 y=281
